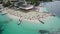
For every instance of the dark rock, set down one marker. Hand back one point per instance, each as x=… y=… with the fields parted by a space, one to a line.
x=4 y=14
x=1 y=29
x=43 y=31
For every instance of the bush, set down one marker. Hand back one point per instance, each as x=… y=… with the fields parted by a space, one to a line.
x=7 y=4
x=36 y=2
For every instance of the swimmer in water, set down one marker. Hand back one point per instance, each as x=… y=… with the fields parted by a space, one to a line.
x=19 y=22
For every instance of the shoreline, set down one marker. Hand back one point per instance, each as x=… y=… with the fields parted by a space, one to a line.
x=31 y=16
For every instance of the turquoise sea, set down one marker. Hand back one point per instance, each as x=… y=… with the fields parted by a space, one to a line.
x=52 y=24
x=8 y=26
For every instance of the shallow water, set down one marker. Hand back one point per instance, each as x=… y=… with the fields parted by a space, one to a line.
x=52 y=24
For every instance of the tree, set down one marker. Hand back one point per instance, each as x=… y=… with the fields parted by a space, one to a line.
x=35 y=2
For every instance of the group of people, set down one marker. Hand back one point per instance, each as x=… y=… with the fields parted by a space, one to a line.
x=35 y=16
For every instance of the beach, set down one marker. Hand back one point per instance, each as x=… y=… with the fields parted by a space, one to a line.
x=16 y=21
x=31 y=16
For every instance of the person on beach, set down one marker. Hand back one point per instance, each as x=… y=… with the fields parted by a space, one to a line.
x=20 y=20
x=40 y=21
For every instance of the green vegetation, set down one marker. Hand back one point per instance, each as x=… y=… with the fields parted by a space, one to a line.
x=35 y=2
x=7 y=4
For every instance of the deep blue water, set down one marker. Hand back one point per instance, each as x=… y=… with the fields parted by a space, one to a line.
x=53 y=7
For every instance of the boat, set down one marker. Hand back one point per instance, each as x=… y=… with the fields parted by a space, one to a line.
x=25 y=6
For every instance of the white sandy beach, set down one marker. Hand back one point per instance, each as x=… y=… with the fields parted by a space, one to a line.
x=31 y=16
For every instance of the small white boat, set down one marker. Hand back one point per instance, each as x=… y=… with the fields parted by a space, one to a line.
x=27 y=7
